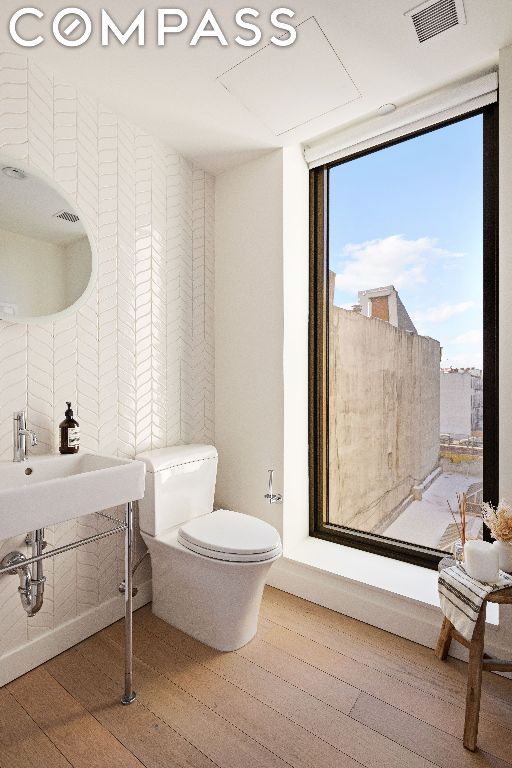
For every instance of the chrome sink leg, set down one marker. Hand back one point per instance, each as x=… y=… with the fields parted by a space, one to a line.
x=129 y=694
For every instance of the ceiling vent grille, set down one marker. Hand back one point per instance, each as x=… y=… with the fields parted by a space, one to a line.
x=432 y=19
x=67 y=216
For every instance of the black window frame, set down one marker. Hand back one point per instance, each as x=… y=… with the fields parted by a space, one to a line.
x=319 y=335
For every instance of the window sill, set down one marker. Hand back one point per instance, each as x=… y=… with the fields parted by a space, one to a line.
x=383 y=573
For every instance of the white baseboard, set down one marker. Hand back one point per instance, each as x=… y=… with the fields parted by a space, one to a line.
x=388 y=611
x=403 y=616
x=32 y=654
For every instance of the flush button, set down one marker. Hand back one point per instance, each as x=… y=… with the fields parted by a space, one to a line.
x=28 y=471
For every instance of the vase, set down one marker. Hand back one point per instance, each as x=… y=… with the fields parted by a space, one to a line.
x=458 y=551
x=505 y=555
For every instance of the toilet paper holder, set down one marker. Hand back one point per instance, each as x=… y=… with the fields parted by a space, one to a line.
x=271 y=497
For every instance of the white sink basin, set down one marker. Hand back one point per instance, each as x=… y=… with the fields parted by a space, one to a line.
x=51 y=489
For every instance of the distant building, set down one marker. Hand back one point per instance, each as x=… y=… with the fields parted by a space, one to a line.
x=385 y=304
x=461 y=402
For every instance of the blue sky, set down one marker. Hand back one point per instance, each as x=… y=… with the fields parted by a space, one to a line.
x=411 y=216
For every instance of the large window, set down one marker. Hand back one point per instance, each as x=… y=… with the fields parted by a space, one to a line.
x=403 y=340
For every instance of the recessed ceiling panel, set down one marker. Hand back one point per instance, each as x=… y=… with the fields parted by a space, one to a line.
x=288 y=86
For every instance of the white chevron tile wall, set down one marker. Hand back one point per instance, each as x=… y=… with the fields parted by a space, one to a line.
x=137 y=360
x=201 y=385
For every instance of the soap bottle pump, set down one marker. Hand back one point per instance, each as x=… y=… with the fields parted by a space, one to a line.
x=69 y=433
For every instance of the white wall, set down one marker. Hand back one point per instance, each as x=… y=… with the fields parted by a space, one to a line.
x=505 y=296
x=249 y=335
x=27 y=266
x=261 y=344
x=295 y=345
x=136 y=360
x=505 y=283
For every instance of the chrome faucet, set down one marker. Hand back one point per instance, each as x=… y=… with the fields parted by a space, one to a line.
x=20 y=434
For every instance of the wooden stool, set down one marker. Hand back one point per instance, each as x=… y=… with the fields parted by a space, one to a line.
x=478 y=661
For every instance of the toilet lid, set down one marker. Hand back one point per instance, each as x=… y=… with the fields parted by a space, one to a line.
x=233 y=536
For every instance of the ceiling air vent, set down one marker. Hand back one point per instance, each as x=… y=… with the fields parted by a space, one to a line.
x=433 y=18
x=67 y=216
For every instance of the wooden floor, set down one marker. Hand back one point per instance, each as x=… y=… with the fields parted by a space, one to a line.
x=313 y=690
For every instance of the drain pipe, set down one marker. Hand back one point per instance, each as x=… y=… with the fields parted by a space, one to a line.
x=37 y=581
x=25 y=587
x=31 y=589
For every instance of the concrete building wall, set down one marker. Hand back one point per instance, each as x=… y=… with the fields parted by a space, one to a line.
x=384 y=417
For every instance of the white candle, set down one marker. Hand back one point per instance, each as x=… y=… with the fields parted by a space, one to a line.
x=481 y=561
x=504 y=549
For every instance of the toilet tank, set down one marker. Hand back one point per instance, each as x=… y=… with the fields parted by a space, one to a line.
x=180 y=485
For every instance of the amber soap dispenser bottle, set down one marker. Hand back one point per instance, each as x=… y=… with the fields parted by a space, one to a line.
x=69 y=433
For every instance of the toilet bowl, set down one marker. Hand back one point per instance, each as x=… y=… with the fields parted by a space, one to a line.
x=209 y=567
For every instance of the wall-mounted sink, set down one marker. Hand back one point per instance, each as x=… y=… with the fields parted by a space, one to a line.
x=46 y=490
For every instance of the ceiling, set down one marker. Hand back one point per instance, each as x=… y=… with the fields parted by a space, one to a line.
x=219 y=111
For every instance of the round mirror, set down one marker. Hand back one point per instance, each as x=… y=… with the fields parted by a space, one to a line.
x=46 y=258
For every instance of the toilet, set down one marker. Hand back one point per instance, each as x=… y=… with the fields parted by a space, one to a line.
x=209 y=567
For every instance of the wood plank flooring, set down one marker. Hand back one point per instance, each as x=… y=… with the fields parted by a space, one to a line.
x=314 y=689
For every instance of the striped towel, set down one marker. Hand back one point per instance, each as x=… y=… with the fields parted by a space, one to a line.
x=462 y=596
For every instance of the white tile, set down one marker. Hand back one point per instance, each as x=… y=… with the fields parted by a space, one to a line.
x=137 y=361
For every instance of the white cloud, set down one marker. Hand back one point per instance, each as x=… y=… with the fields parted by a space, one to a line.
x=391 y=260
x=442 y=312
x=471 y=337
x=470 y=359
x=465 y=350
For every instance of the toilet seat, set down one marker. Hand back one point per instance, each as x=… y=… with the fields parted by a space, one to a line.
x=231 y=536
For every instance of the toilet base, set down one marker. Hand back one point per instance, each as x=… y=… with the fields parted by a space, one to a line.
x=215 y=601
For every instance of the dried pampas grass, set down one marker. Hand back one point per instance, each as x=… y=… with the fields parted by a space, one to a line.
x=499 y=520
x=462 y=501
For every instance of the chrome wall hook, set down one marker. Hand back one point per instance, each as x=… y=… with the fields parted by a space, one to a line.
x=271 y=497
